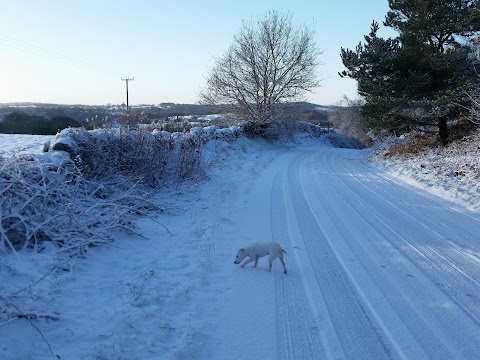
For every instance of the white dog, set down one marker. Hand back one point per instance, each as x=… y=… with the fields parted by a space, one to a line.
x=258 y=250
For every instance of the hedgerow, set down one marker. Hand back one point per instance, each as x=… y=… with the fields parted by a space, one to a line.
x=99 y=182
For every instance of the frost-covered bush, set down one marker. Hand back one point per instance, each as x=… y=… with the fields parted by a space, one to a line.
x=100 y=182
x=152 y=158
x=104 y=153
x=43 y=202
x=348 y=119
x=473 y=111
x=281 y=130
x=453 y=170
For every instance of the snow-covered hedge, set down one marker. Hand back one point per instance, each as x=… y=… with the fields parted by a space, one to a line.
x=154 y=159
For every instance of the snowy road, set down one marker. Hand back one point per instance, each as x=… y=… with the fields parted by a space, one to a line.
x=377 y=269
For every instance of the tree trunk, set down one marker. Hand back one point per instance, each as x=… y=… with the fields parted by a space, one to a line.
x=443 y=130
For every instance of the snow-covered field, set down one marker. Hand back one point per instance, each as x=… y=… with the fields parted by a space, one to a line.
x=378 y=268
x=10 y=144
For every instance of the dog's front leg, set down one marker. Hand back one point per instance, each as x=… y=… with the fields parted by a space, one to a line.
x=247 y=262
x=283 y=263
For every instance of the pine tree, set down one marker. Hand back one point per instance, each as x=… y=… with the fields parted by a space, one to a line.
x=416 y=78
x=384 y=79
x=435 y=23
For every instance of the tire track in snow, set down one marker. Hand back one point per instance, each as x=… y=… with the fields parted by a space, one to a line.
x=357 y=332
x=441 y=260
x=396 y=310
x=297 y=331
x=442 y=333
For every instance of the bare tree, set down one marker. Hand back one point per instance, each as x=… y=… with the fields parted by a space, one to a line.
x=347 y=118
x=473 y=109
x=270 y=62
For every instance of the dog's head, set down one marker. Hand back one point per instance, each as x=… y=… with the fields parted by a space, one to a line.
x=241 y=254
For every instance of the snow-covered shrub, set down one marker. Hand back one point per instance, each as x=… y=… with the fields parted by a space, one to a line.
x=340 y=140
x=473 y=111
x=145 y=157
x=452 y=170
x=348 y=119
x=41 y=202
x=154 y=158
x=281 y=130
x=412 y=144
x=315 y=130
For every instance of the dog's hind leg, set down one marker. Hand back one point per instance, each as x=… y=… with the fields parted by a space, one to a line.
x=256 y=261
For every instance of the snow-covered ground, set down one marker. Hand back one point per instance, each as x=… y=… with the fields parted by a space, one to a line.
x=10 y=143
x=378 y=268
x=452 y=172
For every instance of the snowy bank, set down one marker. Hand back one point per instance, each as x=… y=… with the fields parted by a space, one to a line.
x=451 y=172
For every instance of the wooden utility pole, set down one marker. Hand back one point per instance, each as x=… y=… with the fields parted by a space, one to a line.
x=126 y=82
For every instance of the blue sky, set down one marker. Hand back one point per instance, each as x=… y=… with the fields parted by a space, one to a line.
x=75 y=52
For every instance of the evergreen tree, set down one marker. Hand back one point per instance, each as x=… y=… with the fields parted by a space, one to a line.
x=435 y=23
x=416 y=78
x=381 y=73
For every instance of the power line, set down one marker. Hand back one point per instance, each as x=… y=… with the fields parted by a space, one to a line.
x=147 y=88
x=39 y=51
